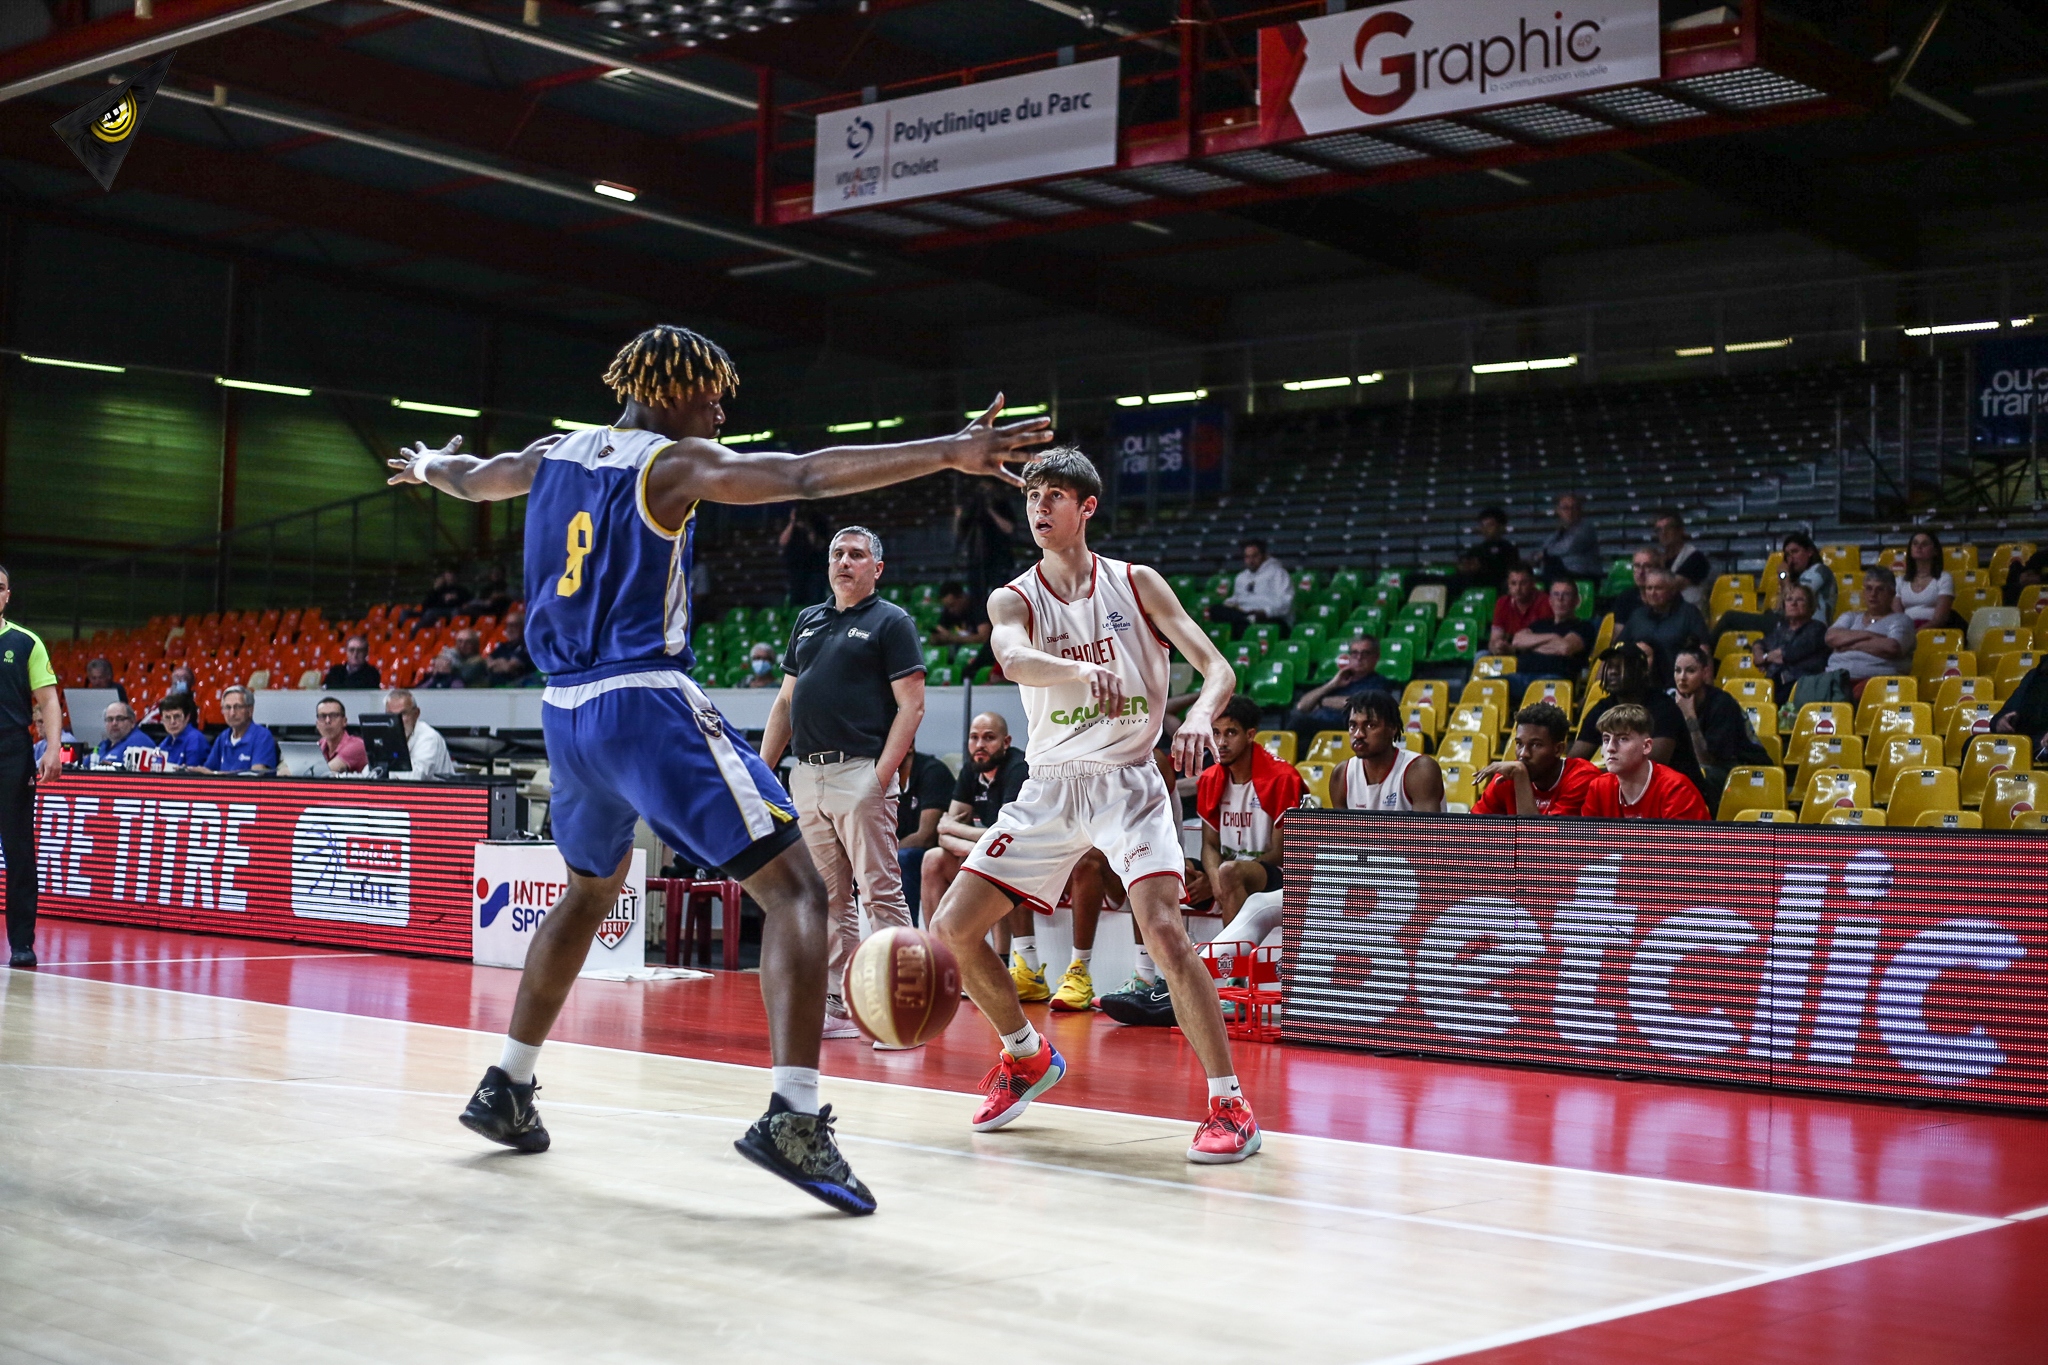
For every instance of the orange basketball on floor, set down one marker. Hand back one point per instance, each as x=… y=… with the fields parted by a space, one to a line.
x=902 y=987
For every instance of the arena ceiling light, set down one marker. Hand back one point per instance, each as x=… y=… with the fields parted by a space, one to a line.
x=75 y=364
x=1733 y=348
x=1311 y=385
x=622 y=193
x=287 y=390
x=747 y=438
x=1562 y=362
x=1178 y=396
x=2027 y=321
x=1019 y=410
x=1947 y=328
x=443 y=409
x=564 y=424
x=1376 y=377
x=840 y=428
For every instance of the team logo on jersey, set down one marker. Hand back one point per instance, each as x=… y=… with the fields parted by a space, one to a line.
x=856 y=633
x=709 y=721
x=1082 y=715
x=10 y=656
x=1118 y=622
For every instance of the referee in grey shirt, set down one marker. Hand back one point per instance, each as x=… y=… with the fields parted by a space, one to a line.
x=852 y=696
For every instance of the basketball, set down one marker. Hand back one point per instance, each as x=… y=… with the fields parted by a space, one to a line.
x=902 y=987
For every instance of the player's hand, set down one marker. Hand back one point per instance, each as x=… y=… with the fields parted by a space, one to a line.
x=53 y=763
x=981 y=447
x=405 y=469
x=1105 y=689
x=1190 y=741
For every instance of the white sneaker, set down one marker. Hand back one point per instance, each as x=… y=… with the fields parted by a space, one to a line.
x=840 y=1026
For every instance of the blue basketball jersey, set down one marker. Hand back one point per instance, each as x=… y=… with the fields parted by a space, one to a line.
x=607 y=587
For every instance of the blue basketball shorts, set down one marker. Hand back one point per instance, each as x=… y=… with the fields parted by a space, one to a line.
x=652 y=745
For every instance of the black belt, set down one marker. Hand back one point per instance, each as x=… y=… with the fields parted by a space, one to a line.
x=823 y=757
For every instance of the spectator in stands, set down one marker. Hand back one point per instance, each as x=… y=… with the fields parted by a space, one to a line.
x=509 y=665
x=1663 y=623
x=184 y=741
x=1481 y=565
x=1802 y=565
x=984 y=536
x=1574 y=551
x=803 y=555
x=1520 y=607
x=1686 y=561
x=1625 y=680
x=2024 y=576
x=962 y=619
x=761 y=669
x=1383 y=775
x=35 y=727
x=1926 y=591
x=443 y=600
x=1541 y=779
x=120 y=734
x=1719 y=732
x=1797 y=646
x=991 y=778
x=1326 y=707
x=245 y=746
x=445 y=671
x=919 y=808
x=470 y=664
x=1874 y=641
x=1262 y=591
x=1243 y=799
x=355 y=670
x=492 y=598
x=99 y=675
x=1636 y=786
x=2026 y=711
x=343 y=751
x=424 y=745
x=183 y=679
x=1556 y=647
x=1641 y=565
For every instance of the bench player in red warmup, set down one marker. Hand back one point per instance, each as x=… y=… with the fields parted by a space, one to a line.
x=1087 y=639
x=1634 y=788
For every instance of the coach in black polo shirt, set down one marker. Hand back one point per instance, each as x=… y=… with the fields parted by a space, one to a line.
x=852 y=696
x=28 y=691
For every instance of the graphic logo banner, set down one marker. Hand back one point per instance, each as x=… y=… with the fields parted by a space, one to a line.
x=1875 y=962
x=1021 y=128
x=517 y=884
x=1184 y=441
x=100 y=132
x=1421 y=60
x=2012 y=386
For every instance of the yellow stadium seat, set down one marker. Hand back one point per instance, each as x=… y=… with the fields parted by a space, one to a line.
x=1761 y=715
x=1419 y=720
x=1896 y=754
x=1433 y=692
x=1595 y=694
x=1751 y=692
x=1436 y=594
x=1856 y=816
x=1604 y=636
x=1919 y=790
x=1953 y=692
x=1973 y=598
x=1553 y=691
x=1906 y=718
x=1279 y=743
x=1950 y=819
x=2007 y=558
x=2013 y=794
x=1931 y=669
x=1329 y=746
x=1815 y=753
x=1740 y=666
x=1415 y=743
x=1316 y=777
x=1970 y=719
x=1892 y=557
x=1478 y=720
x=1824 y=718
x=1843 y=559
x=1458 y=783
x=1769 y=583
x=1987 y=620
x=1752 y=788
x=1834 y=789
x=1737 y=642
x=1959 y=559
x=1495 y=665
x=1947 y=640
x=1486 y=692
x=1848 y=593
x=2034 y=820
x=1991 y=756
x=2011 y=668
x=2003 y=641
x=1758 y=815
x=2031 y=597
x=1465 y=747
x=1885 y=690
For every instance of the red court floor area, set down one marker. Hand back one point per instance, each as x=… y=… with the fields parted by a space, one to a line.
x=1981 y=1299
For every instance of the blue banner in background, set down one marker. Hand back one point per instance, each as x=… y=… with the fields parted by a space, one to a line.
x=2012 y=385
x=1186 y=441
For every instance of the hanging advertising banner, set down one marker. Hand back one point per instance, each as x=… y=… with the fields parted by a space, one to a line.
x=1183 y=442
x=1886 y=963
x=1052 y=122
x=1423 y=60
x=2012 y=387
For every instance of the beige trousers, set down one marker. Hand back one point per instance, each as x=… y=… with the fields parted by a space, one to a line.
x=849 y=824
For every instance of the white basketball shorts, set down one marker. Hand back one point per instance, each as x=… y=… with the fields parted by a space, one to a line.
x=1031 y=849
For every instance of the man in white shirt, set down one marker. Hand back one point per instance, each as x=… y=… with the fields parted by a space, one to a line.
x=1877 y=640
x=428 y=751
x=1262 y=592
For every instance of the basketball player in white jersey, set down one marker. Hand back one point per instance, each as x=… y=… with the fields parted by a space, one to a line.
x=1384 y=775
x=1088 y=640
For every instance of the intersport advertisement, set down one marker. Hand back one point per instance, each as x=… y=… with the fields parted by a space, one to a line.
x=1434 y=57
x=1894 y=964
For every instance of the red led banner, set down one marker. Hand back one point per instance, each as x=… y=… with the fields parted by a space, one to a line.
x=349 y=864
x=1885 y=963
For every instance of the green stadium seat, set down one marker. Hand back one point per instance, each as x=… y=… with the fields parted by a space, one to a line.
x=942 y=676
x=1273 y=692
x=1397 y=658
x=1312 y=631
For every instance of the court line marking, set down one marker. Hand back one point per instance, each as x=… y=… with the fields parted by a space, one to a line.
x=762 y=1071
x=1152 y=1182
x=177 y=961
x=2022 y=1217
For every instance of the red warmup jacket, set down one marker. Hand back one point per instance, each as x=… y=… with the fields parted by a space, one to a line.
x=1278 y=786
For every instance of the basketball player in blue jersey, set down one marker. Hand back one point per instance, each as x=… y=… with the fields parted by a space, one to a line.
x=609 y=519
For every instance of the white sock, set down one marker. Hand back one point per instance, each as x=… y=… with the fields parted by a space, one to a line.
x=1084 y=956
x=798 y=1086
x=1146 y=971
x=1224 y=1088
x=1026 y=947
x=517 y=1060
x=1023 y=1043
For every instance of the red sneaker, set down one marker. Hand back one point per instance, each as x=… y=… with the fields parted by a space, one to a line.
x=1013 y=1082
x=1230 y=1133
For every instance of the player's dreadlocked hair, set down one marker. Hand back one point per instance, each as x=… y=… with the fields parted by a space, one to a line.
x=667 y=365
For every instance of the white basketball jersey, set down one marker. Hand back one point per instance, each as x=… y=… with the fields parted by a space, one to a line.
x=1392 y=794
x=1107 y=627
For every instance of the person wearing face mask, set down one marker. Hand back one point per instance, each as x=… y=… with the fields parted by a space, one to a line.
x=761 y=671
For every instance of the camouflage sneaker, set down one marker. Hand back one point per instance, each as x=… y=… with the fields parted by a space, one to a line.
x=800 y=1149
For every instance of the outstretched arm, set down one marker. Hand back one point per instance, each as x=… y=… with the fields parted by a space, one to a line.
x=473 y=479
x=1218 y=681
